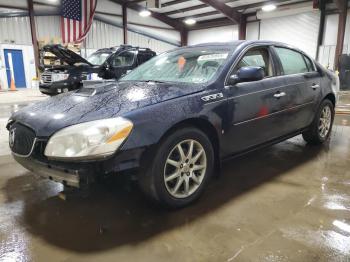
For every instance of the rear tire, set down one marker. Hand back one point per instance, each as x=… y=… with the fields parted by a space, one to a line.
x=321 y=127
x=180 y=169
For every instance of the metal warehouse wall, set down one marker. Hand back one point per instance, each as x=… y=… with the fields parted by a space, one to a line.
x=216 y=34
x=15 y=30
x=103 y=35
x=300 y=30
x=327 y=50
x=144 y=41
x=47 y=27
x=298 y=27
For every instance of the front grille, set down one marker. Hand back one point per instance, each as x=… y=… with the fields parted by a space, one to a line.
x=46 y=77
x=21 y=139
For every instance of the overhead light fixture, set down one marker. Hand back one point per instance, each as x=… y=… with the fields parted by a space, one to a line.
x=190 y=21
x=269 y=7
x=145 y=13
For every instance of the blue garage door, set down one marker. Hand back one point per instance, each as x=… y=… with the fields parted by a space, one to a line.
x=16 y=65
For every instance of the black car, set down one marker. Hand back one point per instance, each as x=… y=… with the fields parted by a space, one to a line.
x=177 y=116
x=107 y=63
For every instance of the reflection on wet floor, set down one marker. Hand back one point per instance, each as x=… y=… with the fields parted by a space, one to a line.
x=7 y=109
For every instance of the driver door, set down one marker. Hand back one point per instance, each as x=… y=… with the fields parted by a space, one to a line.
x=256 y=109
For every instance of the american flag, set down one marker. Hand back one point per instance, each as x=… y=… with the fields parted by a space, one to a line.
x=76 y=19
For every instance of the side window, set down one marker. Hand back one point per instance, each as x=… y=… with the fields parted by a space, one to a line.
x=309 y=64
x=125 y=58
x=292 y=61
x=257 y=57
x=142 y=57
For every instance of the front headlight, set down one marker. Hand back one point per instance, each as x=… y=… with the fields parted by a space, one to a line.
x=89 y=140
x=59 y=77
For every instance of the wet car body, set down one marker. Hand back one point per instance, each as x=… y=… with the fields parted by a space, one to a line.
x=236 y=119
x=78 y=68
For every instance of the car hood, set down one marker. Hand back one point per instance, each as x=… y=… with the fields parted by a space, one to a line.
x=65 y=54
x=107 y=100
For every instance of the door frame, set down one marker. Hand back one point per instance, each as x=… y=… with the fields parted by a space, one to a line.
x=8 y=49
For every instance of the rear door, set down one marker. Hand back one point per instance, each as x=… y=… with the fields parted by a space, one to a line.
x=257 y=109
x=300 y=73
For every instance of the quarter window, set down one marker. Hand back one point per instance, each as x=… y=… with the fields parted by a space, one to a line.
x=292 y=62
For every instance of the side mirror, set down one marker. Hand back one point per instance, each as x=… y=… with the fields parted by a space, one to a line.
x=247 y=74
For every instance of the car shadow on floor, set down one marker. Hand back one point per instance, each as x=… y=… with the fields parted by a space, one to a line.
x=117 y=213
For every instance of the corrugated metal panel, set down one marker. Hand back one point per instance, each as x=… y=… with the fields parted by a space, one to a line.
x=215 y=34
x=15 y=30
x=143 y=41
x=298 y=30
x=48 y=27
x=103 y=35
x=253 y=31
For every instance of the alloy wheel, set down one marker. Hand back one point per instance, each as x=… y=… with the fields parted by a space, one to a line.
x=185 y=168
x=325 y=122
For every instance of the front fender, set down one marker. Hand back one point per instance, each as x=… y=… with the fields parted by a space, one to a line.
x=152 y=122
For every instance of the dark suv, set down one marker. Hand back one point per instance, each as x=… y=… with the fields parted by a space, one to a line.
x=107 y=63
x=175 y=117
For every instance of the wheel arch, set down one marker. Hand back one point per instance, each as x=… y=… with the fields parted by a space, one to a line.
x=331 y=97
x=202 y=124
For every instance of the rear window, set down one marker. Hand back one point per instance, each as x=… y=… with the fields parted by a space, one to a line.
x=292 y=61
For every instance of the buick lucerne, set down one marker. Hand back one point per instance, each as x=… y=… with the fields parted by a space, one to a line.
x=175 y=117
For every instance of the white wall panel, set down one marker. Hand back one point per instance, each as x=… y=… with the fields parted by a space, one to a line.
x=347 y=32
x=15 y=30
x=330 y=29
x=103 y=35
x=252 y=31
x=144 y=41
x=217 y=34
x=299 y=30
x=48 y=27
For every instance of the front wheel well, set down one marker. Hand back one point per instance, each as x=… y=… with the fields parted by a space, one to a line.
x=205 y=126
x=331 y=97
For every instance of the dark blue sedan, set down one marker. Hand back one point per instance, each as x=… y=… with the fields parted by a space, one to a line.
x=176 y=117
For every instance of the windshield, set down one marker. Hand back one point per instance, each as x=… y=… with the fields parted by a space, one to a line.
x=185 y=65
x=98 y=58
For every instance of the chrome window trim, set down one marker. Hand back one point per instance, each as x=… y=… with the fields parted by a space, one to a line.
x=271 y=45
x=243 y=52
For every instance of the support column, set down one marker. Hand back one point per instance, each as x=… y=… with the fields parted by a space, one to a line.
x=125 y=23
x=242 y=28
x=342 y=6
x=322 y=6
x=33 y=33
x=184 y=37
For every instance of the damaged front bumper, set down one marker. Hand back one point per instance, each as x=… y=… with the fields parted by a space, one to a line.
x=65 y=176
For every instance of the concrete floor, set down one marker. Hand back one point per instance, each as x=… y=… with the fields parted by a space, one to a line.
x=290 y=202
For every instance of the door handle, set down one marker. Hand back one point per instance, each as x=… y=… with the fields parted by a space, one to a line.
x=315 y=86
x=279 y=94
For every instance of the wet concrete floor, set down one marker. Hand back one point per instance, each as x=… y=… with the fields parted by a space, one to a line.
x=289 y=202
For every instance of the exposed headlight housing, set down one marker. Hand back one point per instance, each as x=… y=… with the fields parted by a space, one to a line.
x=89 y=140
x=59 y=77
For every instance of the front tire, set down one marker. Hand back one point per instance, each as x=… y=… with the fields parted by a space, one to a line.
x=321 y=127
x=181 y=167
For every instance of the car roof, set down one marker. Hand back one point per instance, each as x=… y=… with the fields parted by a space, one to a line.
x=123 y=47
x=245 y=43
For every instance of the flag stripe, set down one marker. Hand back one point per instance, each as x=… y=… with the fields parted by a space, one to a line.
x=62 y=30
x=76 y=20
x=74 y=30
